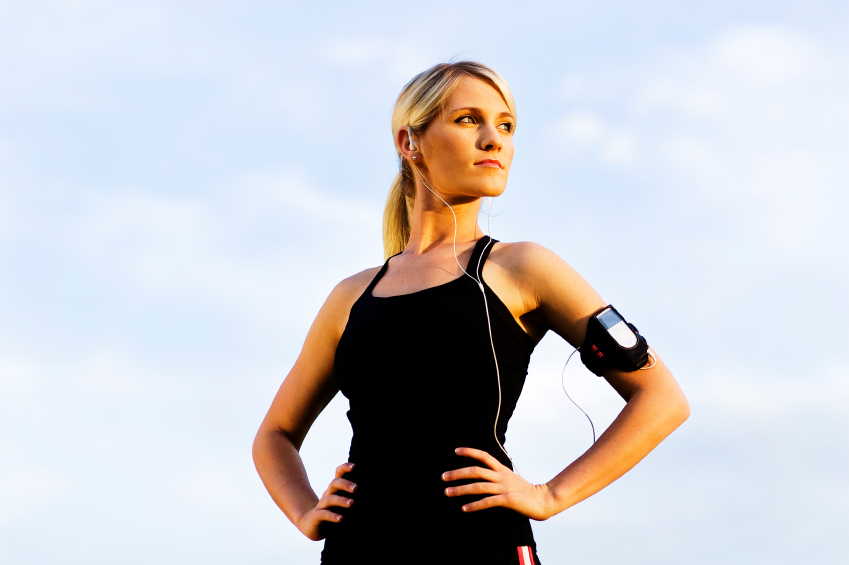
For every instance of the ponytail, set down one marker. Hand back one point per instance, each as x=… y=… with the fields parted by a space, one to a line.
x=398 y=212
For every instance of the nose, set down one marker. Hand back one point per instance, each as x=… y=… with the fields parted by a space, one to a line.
x=490 y=140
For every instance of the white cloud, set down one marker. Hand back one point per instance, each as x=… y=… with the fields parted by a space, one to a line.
x=396 y=59
x=110 y=375
x=12 y=182
x=701 y=100
x=353 y=53
x=18 y=378
x=574 y=86
x=732 y=392
x=24 y=491
x=584 y=131
x=71 y=55
x=583 y=127
x=764 y=56
x=240 y=246
x=750 y=123
x=289 y=191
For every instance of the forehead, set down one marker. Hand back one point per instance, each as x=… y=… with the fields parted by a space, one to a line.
x=474 y=93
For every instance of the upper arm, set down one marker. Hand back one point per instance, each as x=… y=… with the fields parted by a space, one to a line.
x=564 y=301
x=556 y=297
x=311 y=384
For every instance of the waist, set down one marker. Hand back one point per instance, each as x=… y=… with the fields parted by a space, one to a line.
x=401 y=494
x=384 y=463
x=424 y=527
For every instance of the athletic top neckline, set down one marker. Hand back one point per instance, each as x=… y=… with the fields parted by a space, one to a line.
x=480 y=252
x=476 y=251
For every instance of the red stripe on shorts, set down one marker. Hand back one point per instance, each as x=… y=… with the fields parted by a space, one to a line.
x=526 y=556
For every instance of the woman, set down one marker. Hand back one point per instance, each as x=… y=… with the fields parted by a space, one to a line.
x=432 y=349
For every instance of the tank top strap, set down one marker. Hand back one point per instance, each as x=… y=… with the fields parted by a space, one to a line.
x=479 y=256
x=473 y=267
x=377 y=277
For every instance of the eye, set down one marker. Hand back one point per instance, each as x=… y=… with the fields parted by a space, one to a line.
x=507 y=126
x=465 y=120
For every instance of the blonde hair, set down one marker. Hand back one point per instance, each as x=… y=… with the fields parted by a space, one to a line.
x=421 y=100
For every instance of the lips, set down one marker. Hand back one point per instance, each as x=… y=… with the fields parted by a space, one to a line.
x=490 y=163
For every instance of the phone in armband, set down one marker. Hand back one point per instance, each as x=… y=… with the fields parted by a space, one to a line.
x=611 y=342
x=616 y=326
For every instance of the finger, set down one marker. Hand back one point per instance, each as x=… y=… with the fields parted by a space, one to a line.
x=345 y=485
x=482 y=456
x=322 y=515
x=470 y=473
x=475 y=488
x=329 y=500
x=484 y=503
x=344 y=468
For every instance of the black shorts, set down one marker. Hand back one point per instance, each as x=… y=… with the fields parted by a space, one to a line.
x=525 y=555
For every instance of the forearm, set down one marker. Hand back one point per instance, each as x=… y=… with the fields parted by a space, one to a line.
x=652 y=413
x=282 y=472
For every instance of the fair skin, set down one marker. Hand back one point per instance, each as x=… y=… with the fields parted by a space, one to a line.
x=465 y=154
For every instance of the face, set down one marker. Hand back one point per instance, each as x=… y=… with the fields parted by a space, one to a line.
x=467 y=150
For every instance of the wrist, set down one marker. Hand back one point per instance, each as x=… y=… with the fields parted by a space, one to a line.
x=558 y=501
x=547 y=501
x=299 y=519
x=300 y=515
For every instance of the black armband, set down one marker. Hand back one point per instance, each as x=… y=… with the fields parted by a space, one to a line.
x=613 y=343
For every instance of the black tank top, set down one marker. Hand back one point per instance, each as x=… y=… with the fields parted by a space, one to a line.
x=419 y=374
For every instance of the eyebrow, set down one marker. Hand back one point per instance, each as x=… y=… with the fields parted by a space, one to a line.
x=478 y=111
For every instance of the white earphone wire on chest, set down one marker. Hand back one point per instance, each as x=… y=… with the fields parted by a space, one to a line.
x=479 y=280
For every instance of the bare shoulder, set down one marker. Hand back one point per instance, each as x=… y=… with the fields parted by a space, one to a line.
x=527 y=259
x=524 y=251
x=552 y=293
x=349 y=289
x=338 y=304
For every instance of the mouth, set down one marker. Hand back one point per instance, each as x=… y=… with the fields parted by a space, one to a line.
x=490 y=163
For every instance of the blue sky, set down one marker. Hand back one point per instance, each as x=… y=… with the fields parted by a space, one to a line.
x=182 y=183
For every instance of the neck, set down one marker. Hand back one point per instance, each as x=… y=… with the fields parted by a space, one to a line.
x=432 y=224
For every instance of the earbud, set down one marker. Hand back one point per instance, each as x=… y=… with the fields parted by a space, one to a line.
x=412 y=144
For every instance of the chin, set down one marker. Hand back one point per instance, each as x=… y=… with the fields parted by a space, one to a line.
x=480 y=192
x=479 y=188
x=492 y=190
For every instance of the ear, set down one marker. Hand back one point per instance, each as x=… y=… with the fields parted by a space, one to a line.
x=402 y=140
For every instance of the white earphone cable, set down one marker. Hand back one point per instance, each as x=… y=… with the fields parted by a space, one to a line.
x=563 y=384
x=479 y=282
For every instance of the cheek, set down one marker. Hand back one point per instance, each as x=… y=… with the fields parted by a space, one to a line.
x=507 y=153
x=455 y=152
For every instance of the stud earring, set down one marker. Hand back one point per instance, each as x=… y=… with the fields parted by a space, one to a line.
x=414 y=157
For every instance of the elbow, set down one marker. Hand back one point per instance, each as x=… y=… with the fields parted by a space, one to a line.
x=256 y=448
x=672 y=407
x=270 y=441
x=680 y=409
x=262 y=445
